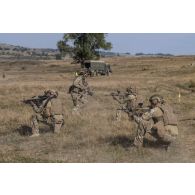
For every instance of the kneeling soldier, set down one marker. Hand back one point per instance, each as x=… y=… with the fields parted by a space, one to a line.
x=160 y=122
x=48 y=112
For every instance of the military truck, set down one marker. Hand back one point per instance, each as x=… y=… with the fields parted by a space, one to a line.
x=96 y=68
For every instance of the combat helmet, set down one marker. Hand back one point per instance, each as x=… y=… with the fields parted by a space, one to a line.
x=84 y=72
x=51 y=93
x=131 y=90
x=157 y=97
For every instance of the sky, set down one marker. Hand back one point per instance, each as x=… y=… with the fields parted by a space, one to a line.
x=173 y=43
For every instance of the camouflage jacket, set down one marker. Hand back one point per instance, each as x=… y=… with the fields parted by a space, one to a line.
x=80 y=82
x=129 y=101
x=49 y=108
x=154 y=114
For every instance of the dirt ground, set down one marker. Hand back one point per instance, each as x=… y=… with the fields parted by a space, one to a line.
x=94 y=136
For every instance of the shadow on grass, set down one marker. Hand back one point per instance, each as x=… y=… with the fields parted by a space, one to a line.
x=155 y=144
x=127 y=142
x=120 y=140
x=25 y=130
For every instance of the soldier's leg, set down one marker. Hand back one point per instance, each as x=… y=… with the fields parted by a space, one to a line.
x=143 y=128
x=118 y=115
x=171 y=132
x=138 y=141
x=83 y=98
x=75 y=100
x=35 y=125
x=158 y=131
x=57 y=123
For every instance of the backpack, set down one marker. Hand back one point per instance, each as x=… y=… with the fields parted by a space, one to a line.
x=169 y=117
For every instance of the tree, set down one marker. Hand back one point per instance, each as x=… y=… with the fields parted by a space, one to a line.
x=83 y=46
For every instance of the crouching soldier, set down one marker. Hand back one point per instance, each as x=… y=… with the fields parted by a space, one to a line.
x=79 y=90
x=159 y=121
x=128 y=101
x=48 y=112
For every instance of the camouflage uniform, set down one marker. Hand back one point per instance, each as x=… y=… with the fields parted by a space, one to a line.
x=155 y=122
x=49 y=112
x=128 y=102
x=79 y=90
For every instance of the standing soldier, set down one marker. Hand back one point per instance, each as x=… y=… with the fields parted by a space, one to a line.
x=127 y=100
x=159 y=121
x=48 y=112
x=79 y=90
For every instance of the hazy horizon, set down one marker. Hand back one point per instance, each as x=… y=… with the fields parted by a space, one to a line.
x=172 y=43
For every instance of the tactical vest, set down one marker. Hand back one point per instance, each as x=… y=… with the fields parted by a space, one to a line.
x=169 y=117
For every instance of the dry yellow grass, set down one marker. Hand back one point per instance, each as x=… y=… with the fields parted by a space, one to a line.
x=93 y=136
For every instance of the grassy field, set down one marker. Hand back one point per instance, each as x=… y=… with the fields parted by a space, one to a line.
x=94 y=136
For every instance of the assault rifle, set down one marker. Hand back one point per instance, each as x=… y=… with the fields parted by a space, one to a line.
x=36 y=100
x=117 y=93
x=136 y=111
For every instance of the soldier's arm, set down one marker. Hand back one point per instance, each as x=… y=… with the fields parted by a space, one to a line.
x=36 y=108
x=148 y=115
x=145 y=117
x=78 y=82
x=119 y=99
x=48 y=109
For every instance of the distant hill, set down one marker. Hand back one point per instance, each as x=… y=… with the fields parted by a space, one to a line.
x=153 y=54
x=112 y=54
x=18 y=52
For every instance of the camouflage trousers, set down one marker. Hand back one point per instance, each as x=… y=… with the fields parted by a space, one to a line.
x=164 y=134
x=56 y=121
x=118 y=115
x=78 y=99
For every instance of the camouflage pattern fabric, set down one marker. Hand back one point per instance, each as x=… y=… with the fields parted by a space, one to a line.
x=128 y=101
x=49 y=113
x=79 y=92
x=152 y=122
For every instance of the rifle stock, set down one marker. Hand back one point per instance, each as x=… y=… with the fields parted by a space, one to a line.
x=136 y=111
x=36 y=99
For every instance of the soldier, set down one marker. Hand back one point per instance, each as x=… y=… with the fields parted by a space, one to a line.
x=159 y=121
x=49 y=112
x=79 y=90
x=127 y=100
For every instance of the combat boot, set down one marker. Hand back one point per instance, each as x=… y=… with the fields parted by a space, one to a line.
x=138 y=142
x=35 y=132
x=35 y=135
x=75 y=110
x=35 y=127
